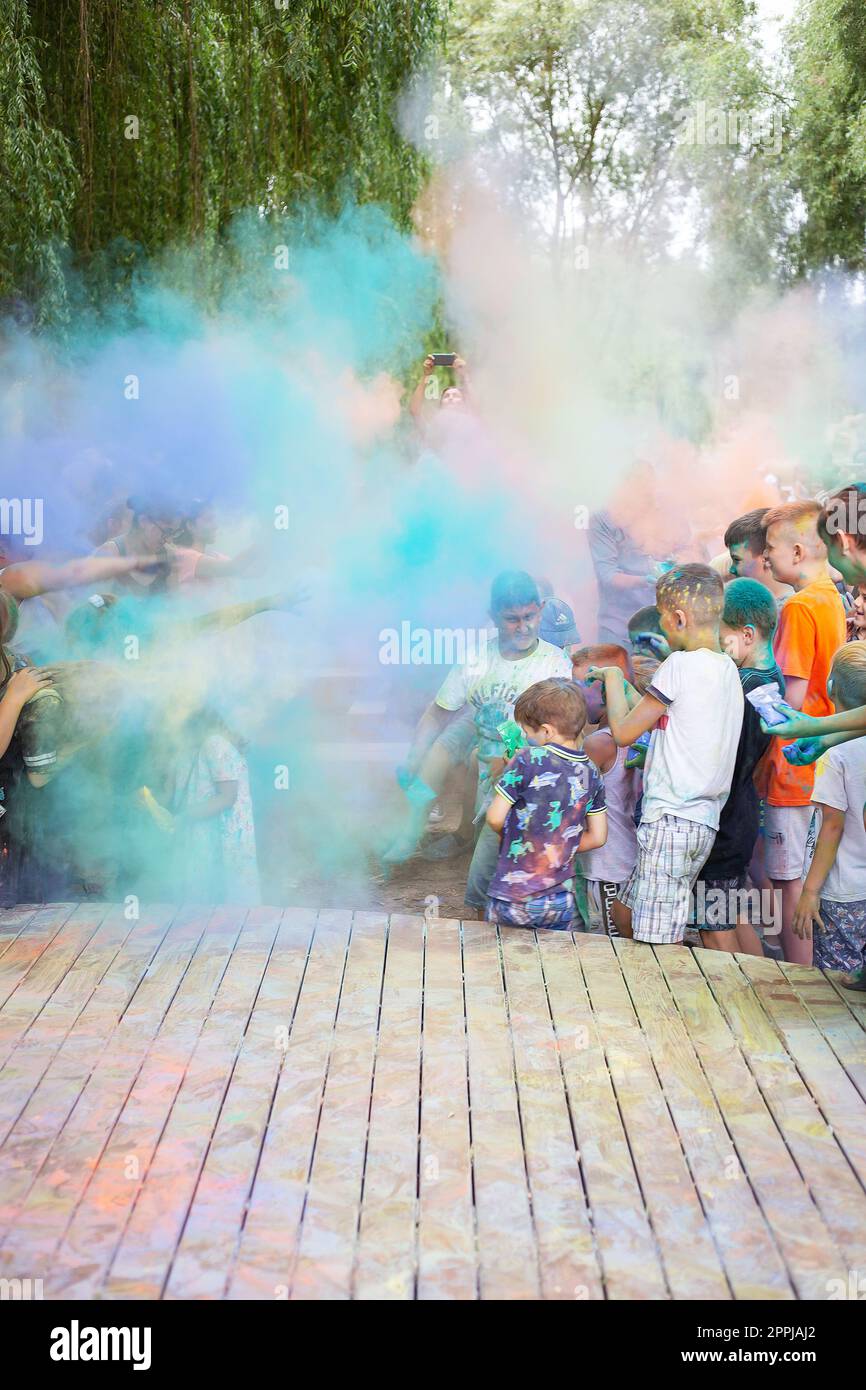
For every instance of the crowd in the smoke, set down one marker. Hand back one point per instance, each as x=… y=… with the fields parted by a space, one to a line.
x=698 y=774
x=117 y=774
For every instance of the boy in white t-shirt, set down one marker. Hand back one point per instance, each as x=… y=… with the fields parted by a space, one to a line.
x=473 y=701
x=834 y=890
x=694 y=707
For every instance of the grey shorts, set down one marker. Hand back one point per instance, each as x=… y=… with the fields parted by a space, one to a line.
x=459 y=736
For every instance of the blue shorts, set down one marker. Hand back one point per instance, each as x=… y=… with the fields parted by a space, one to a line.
x=556 y=910
x=842 y=946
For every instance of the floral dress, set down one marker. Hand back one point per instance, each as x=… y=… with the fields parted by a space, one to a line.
x=218 y=859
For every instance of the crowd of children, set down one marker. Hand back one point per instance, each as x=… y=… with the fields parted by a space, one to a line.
x=702 y=779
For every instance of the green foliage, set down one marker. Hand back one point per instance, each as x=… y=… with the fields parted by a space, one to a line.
x=133 y=124
x=587 y=101
x=827 y=151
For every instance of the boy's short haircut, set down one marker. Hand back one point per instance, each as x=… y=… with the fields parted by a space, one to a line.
x=790 y=514
x=696 y=589
x=646 y=620
x=604 y=654
x=513 y=589
x=643 y=669
x=845 y=506
x=557 y=702
x=848 y=674
x=748 y=602
x=748 y=530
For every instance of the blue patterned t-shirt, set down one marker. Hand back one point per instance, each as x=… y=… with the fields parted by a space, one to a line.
x=552 y=790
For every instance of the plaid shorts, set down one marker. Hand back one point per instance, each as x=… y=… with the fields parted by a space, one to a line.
x=843 y=945
x=557 y=910
x=671 y=854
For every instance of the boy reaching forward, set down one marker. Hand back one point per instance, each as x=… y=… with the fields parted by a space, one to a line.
x=548 y=806
x=694 y=707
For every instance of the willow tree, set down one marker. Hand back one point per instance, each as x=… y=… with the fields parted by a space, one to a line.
x=132 y=124
x=827 y=151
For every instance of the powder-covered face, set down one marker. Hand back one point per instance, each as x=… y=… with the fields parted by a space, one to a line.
x=847 y=559
x=518 y=627
x=736 y=641
x=451 y=398
x=745 y=565
x=783 y=551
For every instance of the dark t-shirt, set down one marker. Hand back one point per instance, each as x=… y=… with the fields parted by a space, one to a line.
x=738 y=823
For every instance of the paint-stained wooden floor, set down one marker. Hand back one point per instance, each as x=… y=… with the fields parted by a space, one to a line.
x=292 y=1105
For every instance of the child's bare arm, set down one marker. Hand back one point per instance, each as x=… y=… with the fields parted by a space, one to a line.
x=826 y=849
x=626 y=724
x=595 y=834
x=600 y=747
x=224 y=797
x=497 y=811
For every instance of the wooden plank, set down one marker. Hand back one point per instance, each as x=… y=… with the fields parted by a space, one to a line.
x=26 y=951
x=761 y=1156
x=569 y=1261
x=630 y=1260
x=206 y=1252
x=746 y=1246
x=830 y=1012
x=269 y=1241
x=838 y=1098
x=507 y=1248
x=140 y=1265
x=447 y=1260
x=27 y=1061
x=385 y=1265
x=329 y=1222
x=62 y=1180
x=853 y=999
x=833 y=1185
x=14 y=921
x=41 y=1082
x=692 y=1265
x=91 y=1239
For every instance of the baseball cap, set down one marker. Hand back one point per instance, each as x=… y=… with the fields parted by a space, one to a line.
x=557 y=624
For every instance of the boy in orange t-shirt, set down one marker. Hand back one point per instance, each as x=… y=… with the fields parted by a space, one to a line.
x=811 y=630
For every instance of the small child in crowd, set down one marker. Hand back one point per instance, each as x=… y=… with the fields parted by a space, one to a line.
x=834 y=891
x=747 y=627
x=694 y=707
x=548 y=806
x=606 y=869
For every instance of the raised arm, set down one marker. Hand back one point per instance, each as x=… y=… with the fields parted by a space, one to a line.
x=29 y=578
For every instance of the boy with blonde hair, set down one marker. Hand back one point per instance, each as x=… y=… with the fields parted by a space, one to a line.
x=811 y=630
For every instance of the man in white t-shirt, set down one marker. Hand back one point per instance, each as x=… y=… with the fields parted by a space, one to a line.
x=694 y=707
x=474 y=700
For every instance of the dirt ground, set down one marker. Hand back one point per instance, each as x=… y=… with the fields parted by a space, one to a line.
x=414 y=888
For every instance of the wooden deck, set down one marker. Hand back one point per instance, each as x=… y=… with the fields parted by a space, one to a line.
x=302 y=1105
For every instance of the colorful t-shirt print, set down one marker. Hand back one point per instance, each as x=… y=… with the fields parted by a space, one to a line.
x=552 y=790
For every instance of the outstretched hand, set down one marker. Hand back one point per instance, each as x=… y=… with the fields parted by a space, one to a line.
x=804 y=751
x=796 y=725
